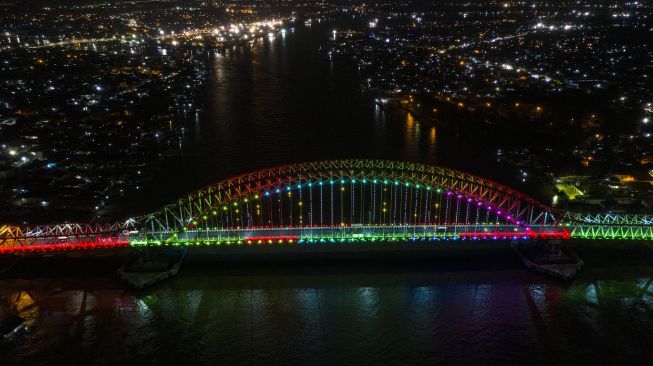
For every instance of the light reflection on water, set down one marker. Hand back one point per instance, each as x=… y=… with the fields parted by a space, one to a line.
x=280 y=102
x=268 y=107
x=359 y=318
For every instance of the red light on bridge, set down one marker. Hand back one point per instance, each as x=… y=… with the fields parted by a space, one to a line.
x=103 y=243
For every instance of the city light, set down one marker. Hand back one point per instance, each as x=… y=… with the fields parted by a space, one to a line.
x=402 y=138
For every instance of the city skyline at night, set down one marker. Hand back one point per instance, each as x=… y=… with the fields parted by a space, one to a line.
x=326 y=182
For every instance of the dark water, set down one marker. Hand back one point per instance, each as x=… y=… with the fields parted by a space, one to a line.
x=466 y=309
x=282 y=102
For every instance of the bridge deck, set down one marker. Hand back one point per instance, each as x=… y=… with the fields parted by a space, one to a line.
x=337 y=201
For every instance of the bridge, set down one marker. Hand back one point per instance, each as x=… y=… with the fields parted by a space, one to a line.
x=338 y=201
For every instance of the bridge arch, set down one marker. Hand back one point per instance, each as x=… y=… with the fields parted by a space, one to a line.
x=421 y=201
x=339 y=194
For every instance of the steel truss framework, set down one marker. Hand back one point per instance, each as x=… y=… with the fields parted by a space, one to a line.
x=195 y=210
x=62 y=237
x=609 y=226
x=338 y=200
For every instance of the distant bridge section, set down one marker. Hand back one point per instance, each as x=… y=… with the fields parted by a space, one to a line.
x=609 y=226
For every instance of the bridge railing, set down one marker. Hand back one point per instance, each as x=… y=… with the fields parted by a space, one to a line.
x=271 y=235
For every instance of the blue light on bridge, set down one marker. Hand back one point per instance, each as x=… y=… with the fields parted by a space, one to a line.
x=387 y=215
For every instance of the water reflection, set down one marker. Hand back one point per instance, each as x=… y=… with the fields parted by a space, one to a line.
x=278 y=102
x=24 y=306
x=360 y=318
x=418 y=146
x=432 y=147
x=411 y=138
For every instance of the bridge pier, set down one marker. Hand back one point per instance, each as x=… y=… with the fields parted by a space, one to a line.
x=548 y=256
x=150 y=265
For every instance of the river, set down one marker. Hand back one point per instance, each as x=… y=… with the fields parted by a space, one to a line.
x=283 y=101
x=279 y=102
x=461 y=308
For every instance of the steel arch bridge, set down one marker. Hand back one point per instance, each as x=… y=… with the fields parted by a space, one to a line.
x=331 y=202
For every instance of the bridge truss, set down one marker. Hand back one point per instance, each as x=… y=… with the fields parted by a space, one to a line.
x=348 y=195
x=72 y=236
x=335 y=201
x=609 y=226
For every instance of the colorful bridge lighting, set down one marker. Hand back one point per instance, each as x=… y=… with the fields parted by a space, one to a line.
x=302 y=203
